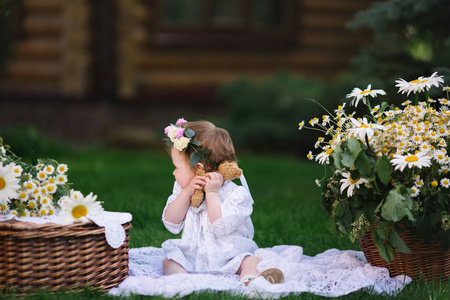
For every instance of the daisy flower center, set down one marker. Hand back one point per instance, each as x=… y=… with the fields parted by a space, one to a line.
x=2 y=183
x=79 y=211
x=363 y=126
x=411 y=158
x=329 y=151
x=353 y=181
x=366 y=92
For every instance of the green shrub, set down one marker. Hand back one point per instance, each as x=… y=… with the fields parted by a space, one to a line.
x=263 y=116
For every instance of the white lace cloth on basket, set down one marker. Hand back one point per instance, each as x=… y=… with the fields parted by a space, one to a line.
x=112 y=221
x=332 y=273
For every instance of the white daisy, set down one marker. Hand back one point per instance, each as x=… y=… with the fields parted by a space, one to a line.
x=445 y=182
x=78 y=210
x=300 y=125
x=61 y=179
x=364 y=128
x=62 y=168
x=323 y=157
x=419 y=160
x=350 y=183
x=359 y=94
x=317 y=181
x=415 y=191
x=49 y=169
x=419 y=84
x=9 y=184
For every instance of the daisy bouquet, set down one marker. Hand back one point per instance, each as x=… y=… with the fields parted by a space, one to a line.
x=389 y=167
x=41 y=189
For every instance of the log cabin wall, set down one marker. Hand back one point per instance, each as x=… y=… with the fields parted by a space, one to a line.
x=320 y=47
x=57 y=52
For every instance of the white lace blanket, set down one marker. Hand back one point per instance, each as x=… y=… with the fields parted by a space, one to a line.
x=332 y=273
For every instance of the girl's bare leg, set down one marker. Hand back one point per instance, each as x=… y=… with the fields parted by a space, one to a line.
x=172 y=267
x=248 y=266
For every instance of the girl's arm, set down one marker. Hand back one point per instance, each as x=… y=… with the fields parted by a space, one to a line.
x=214 y=182
x=177 y=209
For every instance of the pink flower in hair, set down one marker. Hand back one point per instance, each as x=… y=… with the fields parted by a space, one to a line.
x=179 y=133
x=180 y=121
x=166 y=130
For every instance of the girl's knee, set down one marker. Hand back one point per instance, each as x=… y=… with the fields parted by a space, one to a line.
x=250 y=261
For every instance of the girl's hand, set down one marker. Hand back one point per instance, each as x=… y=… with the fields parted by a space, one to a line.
x=214 y=182
x=196 y=183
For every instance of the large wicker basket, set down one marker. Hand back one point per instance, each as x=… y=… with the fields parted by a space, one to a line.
x=426 y=262
x=55 y=257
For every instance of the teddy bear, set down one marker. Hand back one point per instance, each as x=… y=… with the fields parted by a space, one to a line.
x=229 y=171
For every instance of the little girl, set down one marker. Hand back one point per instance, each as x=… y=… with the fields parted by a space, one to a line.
x=217 y=235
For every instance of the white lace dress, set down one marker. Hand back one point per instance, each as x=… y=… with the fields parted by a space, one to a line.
x=217 y=247
x=213 y=252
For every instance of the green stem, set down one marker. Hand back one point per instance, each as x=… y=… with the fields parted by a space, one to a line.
x=368 y=146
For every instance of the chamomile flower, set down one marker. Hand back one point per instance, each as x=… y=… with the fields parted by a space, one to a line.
x=418 y=85
x=22 y=195
x=77 y=210
x=3 y=208
x=300 y=125
x=32 y=204
x=9 y=184
x=62 y=168
x=61 y=179
x=359 y=94
x=41 y=175
x=350 y=184
x=419 y=160
x=415 y=191
x=49 y=169
x=323 y=157
x=310 y=156
x=317 y=181
x=364 y=128
x=51 y=188
x=445 y=182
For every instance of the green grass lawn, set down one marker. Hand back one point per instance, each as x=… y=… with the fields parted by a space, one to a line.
x=286 y=210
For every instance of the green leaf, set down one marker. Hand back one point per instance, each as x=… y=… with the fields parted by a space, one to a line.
x=347 y=159
x=383 y=170
x=396 y=206
x=195 y=158
x=204 y=151
x=381 y=230
x=331 y=226
x=339 y=209
x=189 y=133
x=337 y=157
x=362 y=164
x=196 y=142
x=386 y=250
x=354 y=147
x=397 y=242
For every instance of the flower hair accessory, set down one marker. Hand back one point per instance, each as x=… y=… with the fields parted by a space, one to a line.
x=181 y=138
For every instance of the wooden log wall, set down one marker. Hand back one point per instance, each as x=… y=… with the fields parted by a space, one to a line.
x=54 y=53
x=323 y=48
x=51 y=54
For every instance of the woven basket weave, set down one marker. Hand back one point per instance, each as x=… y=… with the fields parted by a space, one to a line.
x=59 y=257
x=426 y=262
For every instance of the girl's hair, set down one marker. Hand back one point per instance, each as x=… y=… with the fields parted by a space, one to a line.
x=216 y=139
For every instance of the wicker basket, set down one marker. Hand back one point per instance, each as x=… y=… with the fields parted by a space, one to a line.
x=56 y=257
x=426 y=262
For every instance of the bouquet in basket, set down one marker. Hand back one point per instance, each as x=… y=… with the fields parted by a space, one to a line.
x=390 y=167
x=41 y=189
